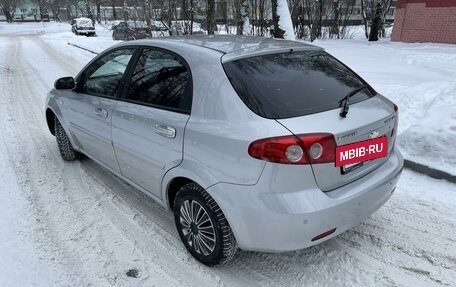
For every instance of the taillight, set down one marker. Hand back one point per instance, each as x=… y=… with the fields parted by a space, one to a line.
x=320 y=148
x=299 y=149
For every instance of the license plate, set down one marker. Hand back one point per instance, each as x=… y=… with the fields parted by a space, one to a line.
x=350 y=167
x=353 y=154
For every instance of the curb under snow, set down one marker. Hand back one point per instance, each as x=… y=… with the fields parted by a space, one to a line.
x=434 y=173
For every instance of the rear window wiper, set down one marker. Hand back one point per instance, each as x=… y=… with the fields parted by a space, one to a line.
x=344 y=111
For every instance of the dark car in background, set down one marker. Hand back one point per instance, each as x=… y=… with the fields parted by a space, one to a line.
x=83 y=26
x=130 y=30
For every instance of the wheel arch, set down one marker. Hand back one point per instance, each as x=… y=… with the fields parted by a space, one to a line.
x=186 y=172
x=53 y=112
x=50 y=120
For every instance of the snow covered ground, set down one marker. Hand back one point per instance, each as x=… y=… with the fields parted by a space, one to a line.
x=74 y=224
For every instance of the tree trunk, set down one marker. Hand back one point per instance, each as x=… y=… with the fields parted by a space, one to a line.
x=184 y=10
x=146 y=9
x=376 y=22
x=335 y=23
x=210 y=20
x=237 y=17
x=89 y=12
x=114 y=14
x=125 y=10
x=320 y=18
x=385 y=9
x=9 y=18
x=55 y=11
x=192 y=13
x=42 y=7
x=277 y=32
x=245 y=17
x=364 y=15
x=98 y=11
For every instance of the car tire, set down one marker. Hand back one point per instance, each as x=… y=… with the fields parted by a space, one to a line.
x=63 y=142
x=205 y=232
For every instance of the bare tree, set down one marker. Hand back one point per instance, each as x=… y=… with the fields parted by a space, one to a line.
x=8 y=7
x=368 y=11
x=276 y=32
x=114 y=13
x=237 y=16
x=245 y=17
x=365 y=17
x=334 y=30
x=210 y=16
x=376 y=22
x=98 y=4
x=314 y=13
x=222 y=13
x=386 y=7
x=125 y=10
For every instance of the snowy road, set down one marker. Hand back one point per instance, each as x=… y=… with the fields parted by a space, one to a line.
x=74 y=224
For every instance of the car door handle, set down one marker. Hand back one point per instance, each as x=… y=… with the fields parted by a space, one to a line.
x=101 y=112
x=165 y=131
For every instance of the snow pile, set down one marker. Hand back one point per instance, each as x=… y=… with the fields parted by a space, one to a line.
x=246 y=26
x=285 y=19
x=432 y=141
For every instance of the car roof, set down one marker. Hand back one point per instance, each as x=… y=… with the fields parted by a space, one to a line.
x=82 y=18
x=235 y=46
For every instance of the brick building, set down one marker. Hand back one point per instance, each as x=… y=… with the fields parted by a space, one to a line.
x=425 y=21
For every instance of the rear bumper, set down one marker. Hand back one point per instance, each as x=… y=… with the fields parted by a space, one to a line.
x=266 y=219
x=86 y=31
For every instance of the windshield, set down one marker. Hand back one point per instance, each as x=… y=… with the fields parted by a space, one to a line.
x=292 y=84
x=84 y=22
x=133 y=25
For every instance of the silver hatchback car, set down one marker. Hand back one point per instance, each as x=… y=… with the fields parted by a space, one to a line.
x=254 y=143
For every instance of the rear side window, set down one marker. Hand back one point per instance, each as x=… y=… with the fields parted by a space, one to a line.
x=292 y=84
x=162 y=80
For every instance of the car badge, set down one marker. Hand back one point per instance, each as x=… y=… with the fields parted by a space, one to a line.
x=374 y=134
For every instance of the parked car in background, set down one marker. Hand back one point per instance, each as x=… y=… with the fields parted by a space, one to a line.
x=265 y=144
x=179 y=28
x=82 y=26
x=158 y=26
x=130 y=30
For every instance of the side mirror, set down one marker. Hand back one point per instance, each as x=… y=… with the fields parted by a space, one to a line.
x=65 y=83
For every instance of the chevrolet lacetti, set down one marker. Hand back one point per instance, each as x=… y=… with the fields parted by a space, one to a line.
x=254 y=143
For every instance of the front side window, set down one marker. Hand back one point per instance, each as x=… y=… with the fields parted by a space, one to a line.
x=103 y=77
x=161 y=79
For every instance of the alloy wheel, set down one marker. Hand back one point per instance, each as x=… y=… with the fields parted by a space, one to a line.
x=197 y=227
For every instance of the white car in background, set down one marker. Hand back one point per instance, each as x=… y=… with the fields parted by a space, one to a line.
x=82 y=26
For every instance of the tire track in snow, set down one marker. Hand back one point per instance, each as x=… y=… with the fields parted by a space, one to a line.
x=20 y=154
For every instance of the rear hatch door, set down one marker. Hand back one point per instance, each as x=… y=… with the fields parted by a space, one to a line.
x=366 y=120
x=304 y=91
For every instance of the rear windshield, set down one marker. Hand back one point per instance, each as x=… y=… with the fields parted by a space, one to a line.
x=292 y=84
